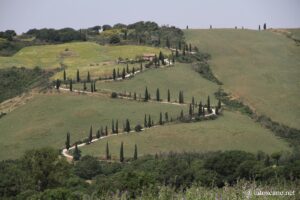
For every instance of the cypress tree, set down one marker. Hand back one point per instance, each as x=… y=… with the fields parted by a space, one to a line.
x=134 y=96
x=145 y=121
x=88 y=77
x=112 y=126
x=181 y=97
x=65 y=75
x=57 y=84
x=179 y=45
x=118 y=73
x=183 y=53
x=71 y=85
x=176 y=53
x=190 y=110
x=106 y=130
x=193 y=104
x=160 y=119
x=78 y=77
x=84 y=86
x=91 y=135
x=77 y=153
x=107 y=152
x=169 y=96
x=200 y=109
x=161 y=58
x=98 y=135
x=135 y=155
x=157 y=95
x=133 y=70
x=190 y=47
x=114 y=74
x=259 y=27
x=92 y=87
x=146 y=94
x=117 y=127
x=208 y=105
x=127 y=126
x=127 y=69
x=149 y=121
x=181 y=114
x=166 y=117
x=141 y=67
x=121 y=153
x=265 y=26
x=68 y=141
x=123 y=73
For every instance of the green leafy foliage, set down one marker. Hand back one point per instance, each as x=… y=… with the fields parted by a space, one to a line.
x=42 y=174
x=87 y=167
x=14 y=81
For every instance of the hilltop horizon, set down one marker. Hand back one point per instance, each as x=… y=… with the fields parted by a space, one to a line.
x=277 y=14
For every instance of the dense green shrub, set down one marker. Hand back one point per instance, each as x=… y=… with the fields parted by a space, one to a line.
x=87 y=167
x=114 y=95
x=14 y=81
x=42 y=174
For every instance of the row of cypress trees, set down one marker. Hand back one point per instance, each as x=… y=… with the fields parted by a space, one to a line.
x=116 y=73
x=78 y=79
x=122 y=158
x=148 y=122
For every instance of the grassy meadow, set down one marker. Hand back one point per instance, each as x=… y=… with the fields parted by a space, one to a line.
x=46 y=118
x=85 y=56
x=180 y=77
x=260 y=68
x=221 y=134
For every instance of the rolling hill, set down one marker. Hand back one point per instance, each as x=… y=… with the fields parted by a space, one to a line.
x=181 y=77
x=261 y=68
x=221 y=134
x=85 y=56
x=46 y=119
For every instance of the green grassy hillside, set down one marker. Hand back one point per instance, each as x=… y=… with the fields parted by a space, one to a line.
x=86 y=56
x=260 y=68
x=229 y=132
x=181 y=77
x=45 y=120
